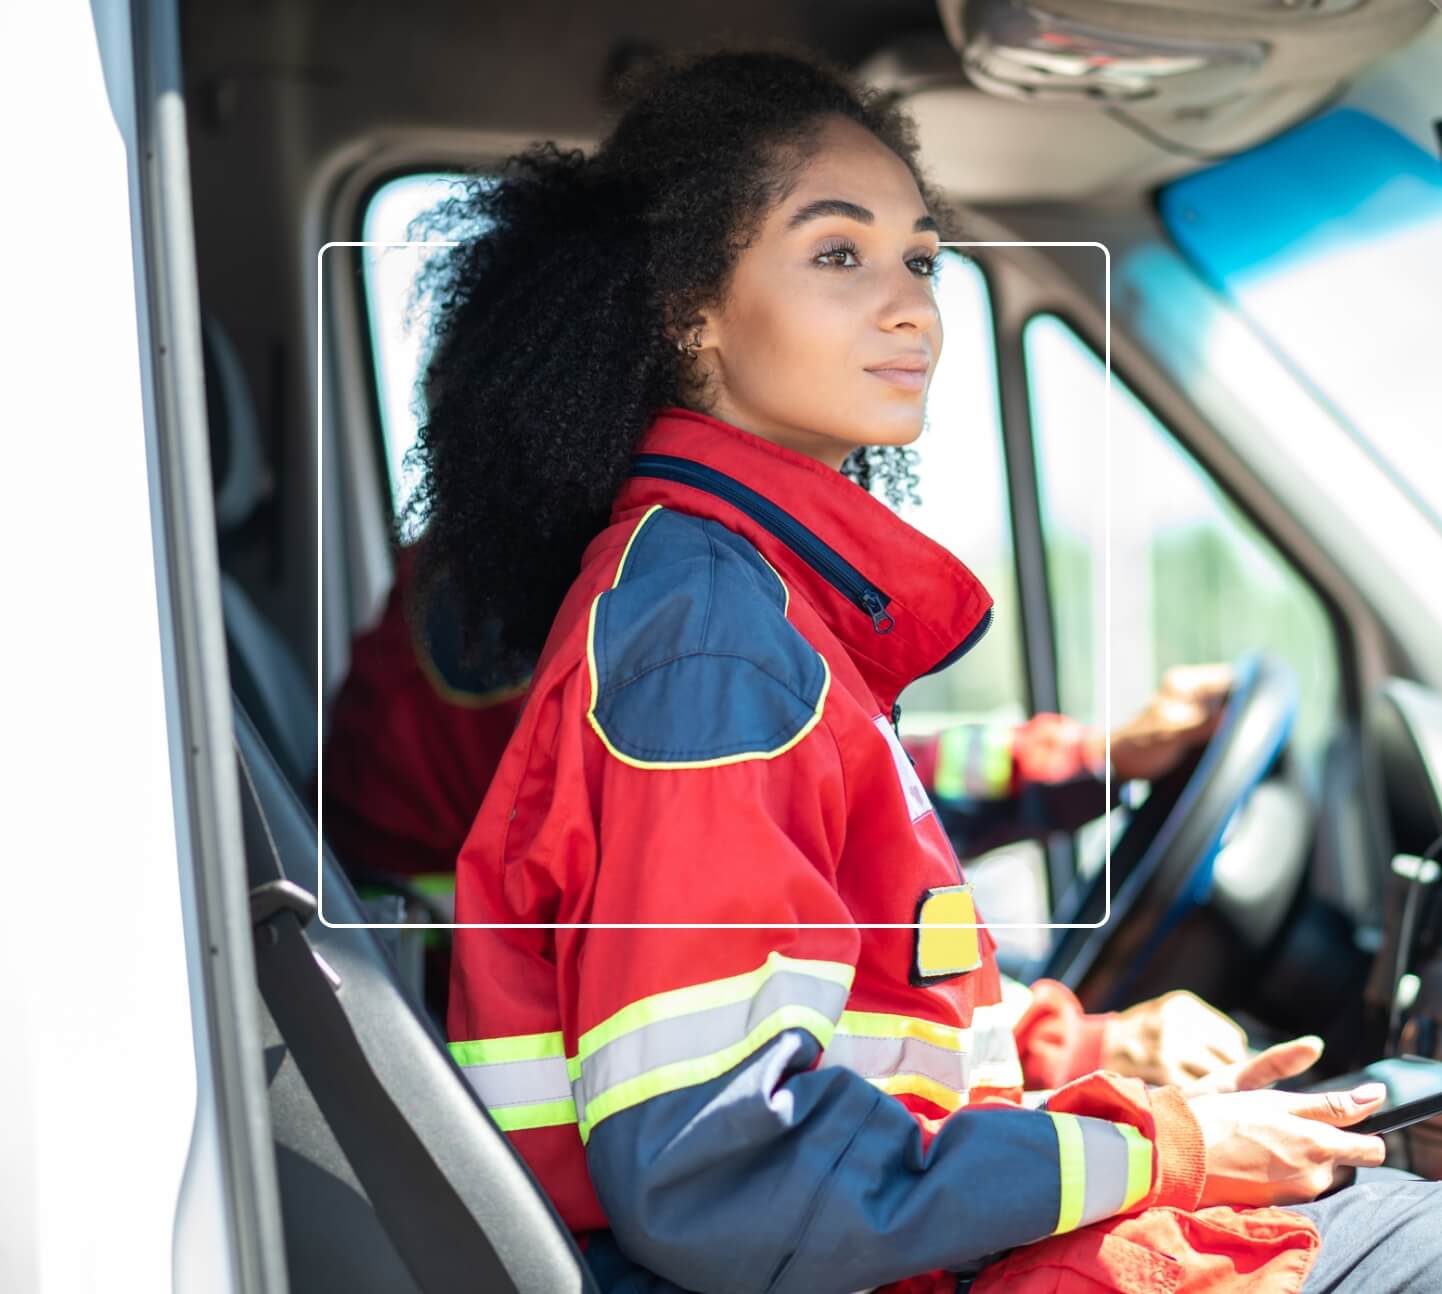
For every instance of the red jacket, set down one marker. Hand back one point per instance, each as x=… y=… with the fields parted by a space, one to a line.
x=817 y=1090
x=415 y=738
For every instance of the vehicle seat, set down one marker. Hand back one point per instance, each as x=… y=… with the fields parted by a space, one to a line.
x=392 y=1175
x=264 y=671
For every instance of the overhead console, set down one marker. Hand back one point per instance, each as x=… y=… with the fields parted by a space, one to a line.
x=1026 y=100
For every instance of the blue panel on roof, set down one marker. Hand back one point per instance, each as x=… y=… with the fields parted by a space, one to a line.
x=1330 y=183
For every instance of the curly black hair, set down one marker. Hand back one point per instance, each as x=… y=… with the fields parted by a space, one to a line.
x=557 y=311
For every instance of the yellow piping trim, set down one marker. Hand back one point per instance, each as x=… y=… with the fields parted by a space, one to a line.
x=685 y=763
x=465 y=700
x=626 y=551
x=786 y=606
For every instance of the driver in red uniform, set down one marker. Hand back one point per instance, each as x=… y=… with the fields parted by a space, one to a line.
x=416 y=734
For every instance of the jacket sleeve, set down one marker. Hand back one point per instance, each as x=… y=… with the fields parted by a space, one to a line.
x=995 y=783
x=726 y=1153
x=1056 y=1039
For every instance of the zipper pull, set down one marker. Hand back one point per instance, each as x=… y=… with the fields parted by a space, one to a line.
x=872 y=604
x=896 y=728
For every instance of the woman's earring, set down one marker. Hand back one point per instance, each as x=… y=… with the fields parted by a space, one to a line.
x=689 y=348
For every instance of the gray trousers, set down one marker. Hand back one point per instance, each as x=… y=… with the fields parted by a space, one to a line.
x=1381 y=1235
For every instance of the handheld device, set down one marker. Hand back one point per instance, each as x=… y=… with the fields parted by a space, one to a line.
x=1401 y=1116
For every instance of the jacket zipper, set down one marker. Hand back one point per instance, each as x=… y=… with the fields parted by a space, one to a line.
x=817 y=554
x=966 y=644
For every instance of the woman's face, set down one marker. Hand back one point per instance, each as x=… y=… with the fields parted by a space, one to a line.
x=829 y=333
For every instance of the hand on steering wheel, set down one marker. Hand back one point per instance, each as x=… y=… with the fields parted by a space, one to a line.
x=1184 y=712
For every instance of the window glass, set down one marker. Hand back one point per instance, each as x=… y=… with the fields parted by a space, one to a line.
x=1327 y=240
x=399 y=323
x=1192 y=579
x=964 y=507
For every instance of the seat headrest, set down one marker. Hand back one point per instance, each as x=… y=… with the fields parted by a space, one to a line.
x=239 y=473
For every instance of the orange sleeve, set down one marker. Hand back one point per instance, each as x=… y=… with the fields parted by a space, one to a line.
x=1162 y=1115
x=1055 y=1037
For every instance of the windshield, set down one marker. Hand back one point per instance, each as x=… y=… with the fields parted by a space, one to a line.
x=1329 y=242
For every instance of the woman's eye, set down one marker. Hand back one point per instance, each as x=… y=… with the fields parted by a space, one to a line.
x=838 y=251
x=928 y=265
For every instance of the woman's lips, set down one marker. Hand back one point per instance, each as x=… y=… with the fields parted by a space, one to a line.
x=909 y=379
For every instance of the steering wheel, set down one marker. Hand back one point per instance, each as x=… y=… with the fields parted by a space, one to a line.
x=1161 y=867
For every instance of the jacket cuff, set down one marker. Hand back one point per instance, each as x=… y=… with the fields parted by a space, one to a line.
x=1086 y=1056
x=1181 y=1169
x=1056 y=1039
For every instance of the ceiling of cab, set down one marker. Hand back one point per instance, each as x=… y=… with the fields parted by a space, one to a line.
x=277 y=86
x=1100 y=100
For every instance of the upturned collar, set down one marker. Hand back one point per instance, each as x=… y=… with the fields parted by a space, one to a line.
x=902 y=604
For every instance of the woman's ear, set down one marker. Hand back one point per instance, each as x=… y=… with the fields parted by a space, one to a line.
x=692 y=336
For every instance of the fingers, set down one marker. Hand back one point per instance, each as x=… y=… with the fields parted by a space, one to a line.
x=1360 y=1152
x=1285 y=1060
x=1222 y=1041
x=1339 y=1108
x=1207 y=683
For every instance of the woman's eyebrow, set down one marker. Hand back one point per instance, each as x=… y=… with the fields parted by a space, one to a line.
x=854 y=211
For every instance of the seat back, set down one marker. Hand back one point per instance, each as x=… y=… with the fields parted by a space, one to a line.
x=266 y=676
x=393 y=1177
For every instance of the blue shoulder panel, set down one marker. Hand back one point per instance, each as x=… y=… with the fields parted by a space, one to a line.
x=693 y=660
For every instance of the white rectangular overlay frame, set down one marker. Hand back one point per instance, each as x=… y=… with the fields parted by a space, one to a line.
x=709 y=925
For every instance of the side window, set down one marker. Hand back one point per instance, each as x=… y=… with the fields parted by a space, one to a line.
x=1192 y=579
x=962 y=475
x=398 y=322
x=961 y=471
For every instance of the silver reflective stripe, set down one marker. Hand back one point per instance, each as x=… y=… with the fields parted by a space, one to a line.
x=1106 y=1169
x=519 y=1082
x=994 y=1059
x=699 y=1034
x=972 y=778
x=886 y=1057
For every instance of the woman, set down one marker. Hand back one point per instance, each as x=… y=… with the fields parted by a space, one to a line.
x=660 y=376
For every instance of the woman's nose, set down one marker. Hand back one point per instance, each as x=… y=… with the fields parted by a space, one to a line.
x=911 y=302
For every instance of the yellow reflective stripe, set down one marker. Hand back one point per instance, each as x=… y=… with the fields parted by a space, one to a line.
x=949 y=779
x=1139 y=1166
x=521 y=1046
x=996 y=759
x=434 y=884
x=701 y=997
x=687 y=1073
x=1072 y=1169
x=543 y=1114
x=876 y=1024
x=920 y=1085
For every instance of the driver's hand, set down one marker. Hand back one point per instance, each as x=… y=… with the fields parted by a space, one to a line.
x=1285 y=1060
x=1184 y=712
x=1283 y=1147
x=1175 y=1038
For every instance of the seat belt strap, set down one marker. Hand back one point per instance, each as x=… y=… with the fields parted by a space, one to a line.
x=436 y=1236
